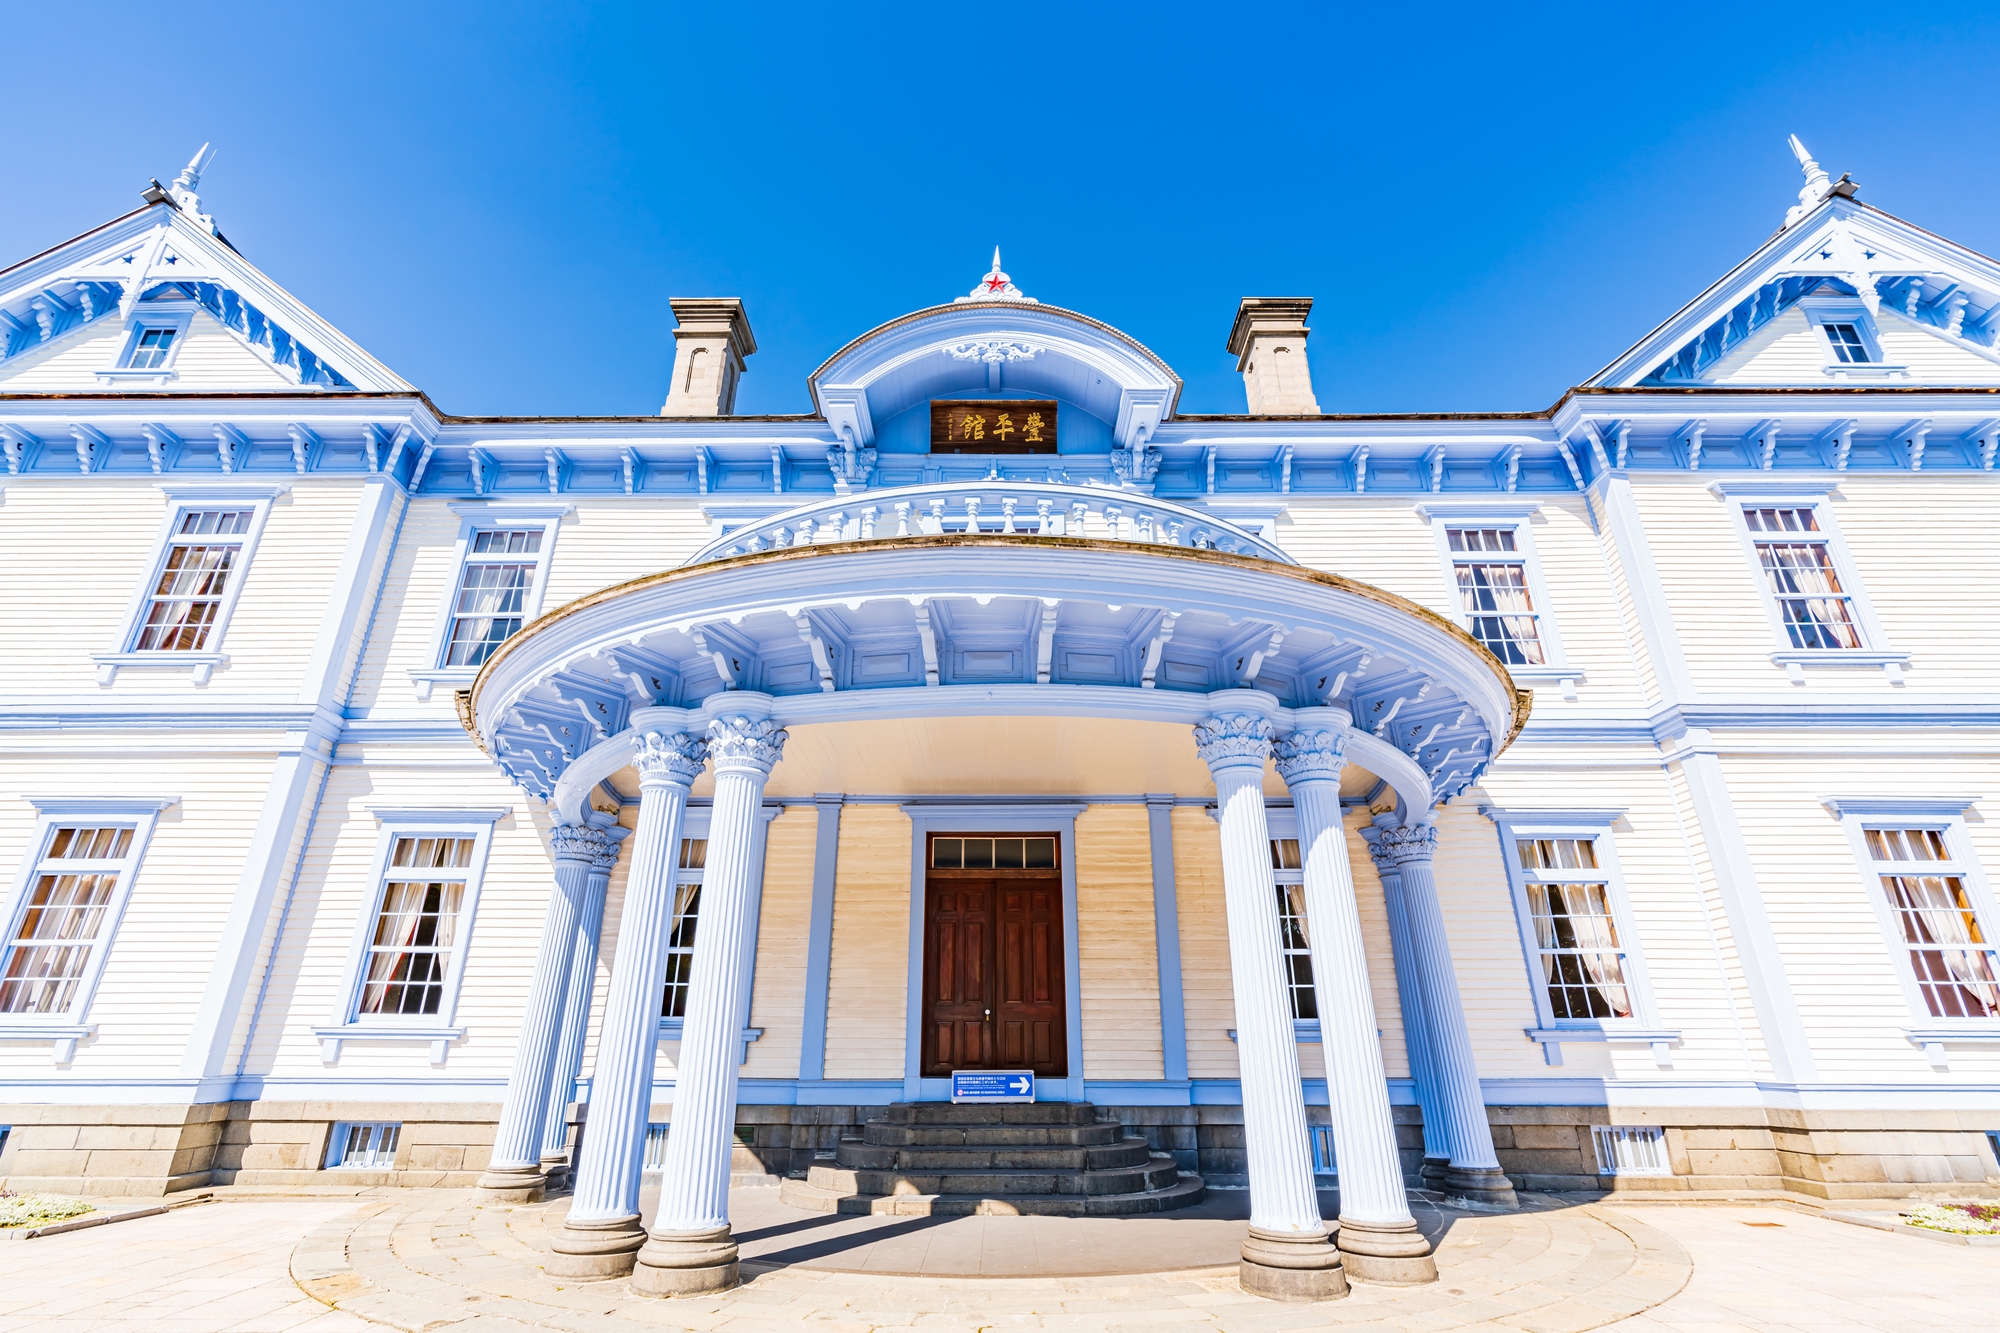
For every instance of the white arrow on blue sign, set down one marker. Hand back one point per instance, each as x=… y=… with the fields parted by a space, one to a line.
x=993 y=1085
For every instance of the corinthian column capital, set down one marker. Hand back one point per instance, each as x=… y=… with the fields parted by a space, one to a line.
x=674 y=757
x=741 y=742
x=1229 y=740
x=1405 y=843
x=1311 y=754
x=577 y=842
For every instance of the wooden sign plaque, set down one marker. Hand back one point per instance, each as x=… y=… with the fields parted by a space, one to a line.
x=993 y=425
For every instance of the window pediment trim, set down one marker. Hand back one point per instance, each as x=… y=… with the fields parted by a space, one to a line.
x=1899 y=807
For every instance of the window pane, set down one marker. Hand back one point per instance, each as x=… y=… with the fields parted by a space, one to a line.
x=947 y=853
x=414 y=932
x=62 y=921
x=680 y=949
x=492 y=598
x=1041 y=853
x=1954 y=969
x=1296 y=945
x=979 y=853
x=1575 y=933
x=1007 y=854
x=1285 y=854
x=694 y=853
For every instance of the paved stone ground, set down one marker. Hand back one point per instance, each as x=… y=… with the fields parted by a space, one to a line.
x=434 y=1260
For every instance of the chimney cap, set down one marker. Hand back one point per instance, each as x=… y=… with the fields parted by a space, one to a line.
x=712 y=315
x=1268 y=314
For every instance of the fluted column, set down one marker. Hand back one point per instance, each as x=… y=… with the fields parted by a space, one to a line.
x=603 y=1231
x=1416 y=1030
x=689 y=1248
x=1474 y=1178
x=514 y=1171
x=576 y=1007
x=1378 y=1239
x=1288 y=1255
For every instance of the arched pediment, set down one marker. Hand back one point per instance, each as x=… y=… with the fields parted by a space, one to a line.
x=1039 y=350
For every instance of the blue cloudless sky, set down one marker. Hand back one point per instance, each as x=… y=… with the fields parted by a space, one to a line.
x=1486 y=202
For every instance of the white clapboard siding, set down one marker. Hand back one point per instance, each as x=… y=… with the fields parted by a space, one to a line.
x=160 y=958
x=213 y=357
x=868 y=981
x=1712 y=586
x=1912 y=540
x=609 y=541
x=415 y=595
x=1583 y=604
x=1932 y=355
x=1116 y=948
x=784 y=923
x=1678 y=932
x=69 y=363
x=1788 y=350
x=1479 y=922
x=1380 y=542
x=1845 y=974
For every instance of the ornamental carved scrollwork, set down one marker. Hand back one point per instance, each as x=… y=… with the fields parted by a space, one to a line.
x=1314 y=754
x=746 y=742
x=674 y=757
x=1137 y=467
x=1233 y=738
x=995 y=351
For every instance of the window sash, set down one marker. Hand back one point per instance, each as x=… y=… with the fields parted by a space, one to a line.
x=1847 y=343
x=153 y=348
x=1294 y=938
x=680 y=936
x=1491 y=574
x=1800 y=572
x=1954 y=965
x=1583 y=964
x=490 y=603
x=407 y=966
x=194 y=579
x=65 y=918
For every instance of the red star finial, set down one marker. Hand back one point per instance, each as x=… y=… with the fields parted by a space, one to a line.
x=994 y=282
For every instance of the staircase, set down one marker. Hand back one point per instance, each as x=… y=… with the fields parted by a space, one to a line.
x=1050 y=1159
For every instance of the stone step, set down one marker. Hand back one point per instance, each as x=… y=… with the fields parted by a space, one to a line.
x=1158 y=1173
x=883 y=1134
x=856 y=1155
x=1183 y=1192
x=1001 y=1113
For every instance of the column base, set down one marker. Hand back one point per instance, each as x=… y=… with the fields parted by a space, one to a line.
x=597 y=1249
x=1433 y=1171
x=1391 y=1254
x=1291 y=1266
x=1483 y=1189
x=555 y=1168
x=514 y=1184
x=686 y=1263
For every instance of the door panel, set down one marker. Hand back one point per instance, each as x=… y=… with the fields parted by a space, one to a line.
x=993 y=945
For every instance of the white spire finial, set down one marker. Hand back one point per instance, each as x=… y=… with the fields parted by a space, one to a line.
x=996 y=286
x=190 y=176
x=1813 y=191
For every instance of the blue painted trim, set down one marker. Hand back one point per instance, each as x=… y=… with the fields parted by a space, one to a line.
x=819 y=939
x=1167 y=940
x=1138 y=1092
x=847 y=1092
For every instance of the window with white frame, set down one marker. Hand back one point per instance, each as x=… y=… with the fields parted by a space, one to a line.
x=1294 y=939
x=203 y=554
x=1847 y=343
x=364 y=1144
x=58 y=935
x=680 y=937
x=494 y=585
x=414 y=943
x=1935 y=917
x=1582 y=963
x=1491 y=573
x=151 y=349
x=1796 y=560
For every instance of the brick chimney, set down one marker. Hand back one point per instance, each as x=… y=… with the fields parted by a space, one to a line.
x=710 y=343
x=1269 y=339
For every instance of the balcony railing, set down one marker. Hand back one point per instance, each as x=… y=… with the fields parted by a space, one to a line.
x=992 y=509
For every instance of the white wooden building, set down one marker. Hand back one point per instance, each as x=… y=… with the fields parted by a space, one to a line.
x=365 y=770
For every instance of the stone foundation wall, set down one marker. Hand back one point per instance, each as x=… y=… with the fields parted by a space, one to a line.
x=154 y=1150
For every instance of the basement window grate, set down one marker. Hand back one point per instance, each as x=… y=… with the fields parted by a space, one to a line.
x=656 y=1147
x=1631 y=1150
x=364 y=1144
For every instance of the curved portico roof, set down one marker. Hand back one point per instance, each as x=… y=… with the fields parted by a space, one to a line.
x=985 y=623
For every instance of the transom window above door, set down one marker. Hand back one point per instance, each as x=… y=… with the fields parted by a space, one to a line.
x=993 y=853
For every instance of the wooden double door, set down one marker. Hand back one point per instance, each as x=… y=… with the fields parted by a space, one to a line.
x=993 y=972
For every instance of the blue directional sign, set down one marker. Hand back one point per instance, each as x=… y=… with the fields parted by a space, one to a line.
x=992 y=1085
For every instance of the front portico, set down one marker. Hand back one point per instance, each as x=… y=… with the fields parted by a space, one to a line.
x=940 y=665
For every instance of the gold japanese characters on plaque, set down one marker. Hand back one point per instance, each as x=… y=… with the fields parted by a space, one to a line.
x=993 y=425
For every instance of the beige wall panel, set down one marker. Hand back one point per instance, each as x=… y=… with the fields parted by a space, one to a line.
x=1208 y=1001
x=160 y=957
x=1846 y=974
x=1116 y=945
x=1381 y=958
x=868 y=983
x=778 y=1003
